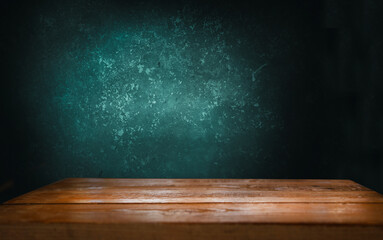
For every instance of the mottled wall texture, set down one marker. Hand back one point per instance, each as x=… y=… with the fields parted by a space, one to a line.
x=149 y=91
x=183 y=89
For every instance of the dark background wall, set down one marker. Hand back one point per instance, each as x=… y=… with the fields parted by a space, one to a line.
x=190 y=89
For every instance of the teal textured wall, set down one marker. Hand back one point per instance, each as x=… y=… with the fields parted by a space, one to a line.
x=189 y=88
x=150 y=92
x=149 y=89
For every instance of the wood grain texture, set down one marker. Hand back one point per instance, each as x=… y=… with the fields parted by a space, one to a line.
x=177 y=231
x=279 y=213
x=198 y=191
x=194 y=209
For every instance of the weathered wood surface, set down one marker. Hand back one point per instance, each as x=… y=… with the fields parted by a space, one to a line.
x=194 y=209
x=89 y=190
x=286 y=213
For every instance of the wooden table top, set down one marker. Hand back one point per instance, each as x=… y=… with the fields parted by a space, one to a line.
x=79 y=208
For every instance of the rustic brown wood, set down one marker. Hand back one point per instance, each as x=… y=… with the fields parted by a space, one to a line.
x=176 y=231
x=89 y=190
x=279 y=213
x=194 y=209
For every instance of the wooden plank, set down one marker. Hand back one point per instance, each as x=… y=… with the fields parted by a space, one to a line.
x=195 y=209
x=254 y=213
x=81 y=190
x=177 y=231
